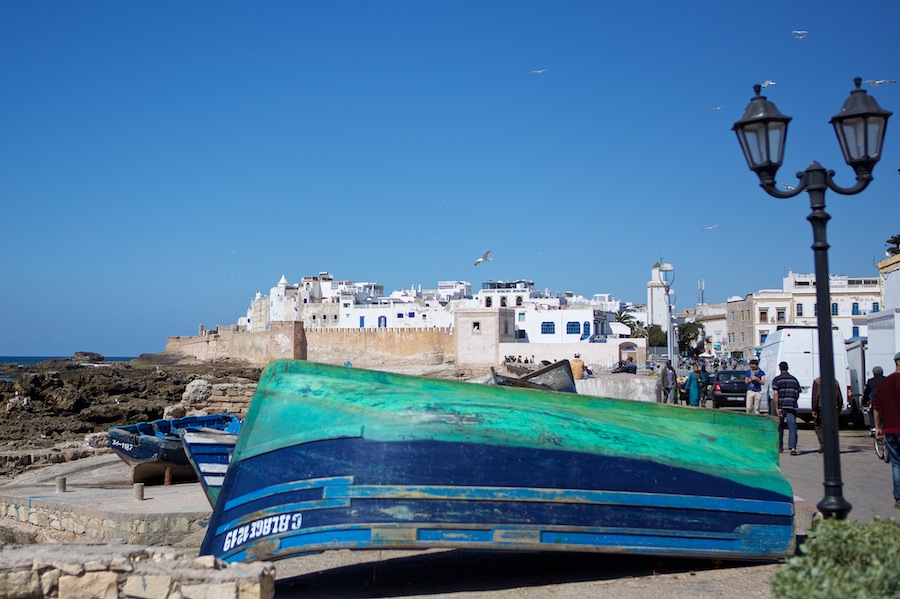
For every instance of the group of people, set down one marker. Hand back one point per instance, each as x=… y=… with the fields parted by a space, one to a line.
x=628 y=366
x=785 y=395
x=694 y=391
x=886 y=418
x=881 y=394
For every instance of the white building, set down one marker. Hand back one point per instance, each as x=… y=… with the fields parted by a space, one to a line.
x=751 y=319
x=883 y=327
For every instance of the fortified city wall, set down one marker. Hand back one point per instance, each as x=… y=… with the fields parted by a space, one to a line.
x=282 y=340
x=289 y=340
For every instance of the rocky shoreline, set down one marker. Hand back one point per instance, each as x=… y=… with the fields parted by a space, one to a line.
x=59 y=410
x=52 y=410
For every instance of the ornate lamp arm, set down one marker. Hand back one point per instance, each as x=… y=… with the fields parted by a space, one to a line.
x=862 y=181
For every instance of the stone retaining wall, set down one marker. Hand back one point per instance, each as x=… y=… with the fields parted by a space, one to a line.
x=213 y=398
x=111 y=571
x=71 y=523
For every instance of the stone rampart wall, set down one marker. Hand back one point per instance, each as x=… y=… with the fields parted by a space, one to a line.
x=421 y=345
x=283 y=340
x=330 y=345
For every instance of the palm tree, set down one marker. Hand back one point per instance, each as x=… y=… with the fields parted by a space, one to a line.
x=625 y=318
x=894 y=241
x=638 y=329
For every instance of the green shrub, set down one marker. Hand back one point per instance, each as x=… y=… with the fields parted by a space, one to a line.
x=843 y=559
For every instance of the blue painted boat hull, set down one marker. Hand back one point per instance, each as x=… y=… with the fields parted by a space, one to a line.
x=154 y=449
x=209 y=452
x=341 y=458
x=352 y=493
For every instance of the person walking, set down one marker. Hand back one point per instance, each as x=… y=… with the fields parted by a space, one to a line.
x=692 y=386
x=786 y=392
x=869 y=395
x=817 y=407
x=668 y=383
x=886 y=410
x=704 y=385
x=755 y=379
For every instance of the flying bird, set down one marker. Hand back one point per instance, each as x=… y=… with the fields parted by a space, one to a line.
x=767 y=83
x=485 y=257
x=877 y=82
x=538 y=71
x=787 y=187
x=717 y=107
x=710 y=228
x=800 y=34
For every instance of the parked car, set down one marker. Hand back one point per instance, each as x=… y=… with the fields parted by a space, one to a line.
x=729 y=388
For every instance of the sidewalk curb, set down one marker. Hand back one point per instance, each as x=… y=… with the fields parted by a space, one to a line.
x=804 y=513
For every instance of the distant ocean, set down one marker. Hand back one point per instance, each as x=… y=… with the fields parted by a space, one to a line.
x=26 y=360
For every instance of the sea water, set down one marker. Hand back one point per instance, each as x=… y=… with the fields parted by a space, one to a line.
x=27 y=360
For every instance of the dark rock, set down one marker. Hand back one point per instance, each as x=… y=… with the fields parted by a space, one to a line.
x=67 y=399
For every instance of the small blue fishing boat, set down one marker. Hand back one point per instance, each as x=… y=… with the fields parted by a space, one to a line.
x=209 y=452
x=154 y=449
x=344 y=458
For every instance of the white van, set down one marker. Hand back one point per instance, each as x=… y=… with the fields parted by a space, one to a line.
x=799 y=347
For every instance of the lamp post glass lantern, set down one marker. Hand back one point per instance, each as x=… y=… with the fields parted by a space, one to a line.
x=860 y=128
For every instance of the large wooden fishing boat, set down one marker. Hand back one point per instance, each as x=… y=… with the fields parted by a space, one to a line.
x=332 y=457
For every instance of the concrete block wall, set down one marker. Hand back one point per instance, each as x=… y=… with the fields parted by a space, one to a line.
x=638 y=387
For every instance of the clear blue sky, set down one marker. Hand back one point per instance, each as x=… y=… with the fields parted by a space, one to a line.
x=163 y=161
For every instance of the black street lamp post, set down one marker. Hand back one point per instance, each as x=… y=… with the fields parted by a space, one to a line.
x=860 y=128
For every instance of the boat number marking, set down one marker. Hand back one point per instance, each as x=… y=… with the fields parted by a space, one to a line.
x=262 y=528
x=122 y=444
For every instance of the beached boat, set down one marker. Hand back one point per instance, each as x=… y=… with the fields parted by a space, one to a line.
x=344 y=458
x=209 y=452
x=154 y=449
x=556 y=377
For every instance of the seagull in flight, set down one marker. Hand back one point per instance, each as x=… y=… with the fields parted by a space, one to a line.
x=720 y=107
x=800 y=34
x=710 y=228
x=787 y=187
x=538 y=71
x=485 y=257
x=767 y=83
x=877 y=82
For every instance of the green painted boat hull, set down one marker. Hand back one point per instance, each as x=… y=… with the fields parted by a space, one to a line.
x=332 y=457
